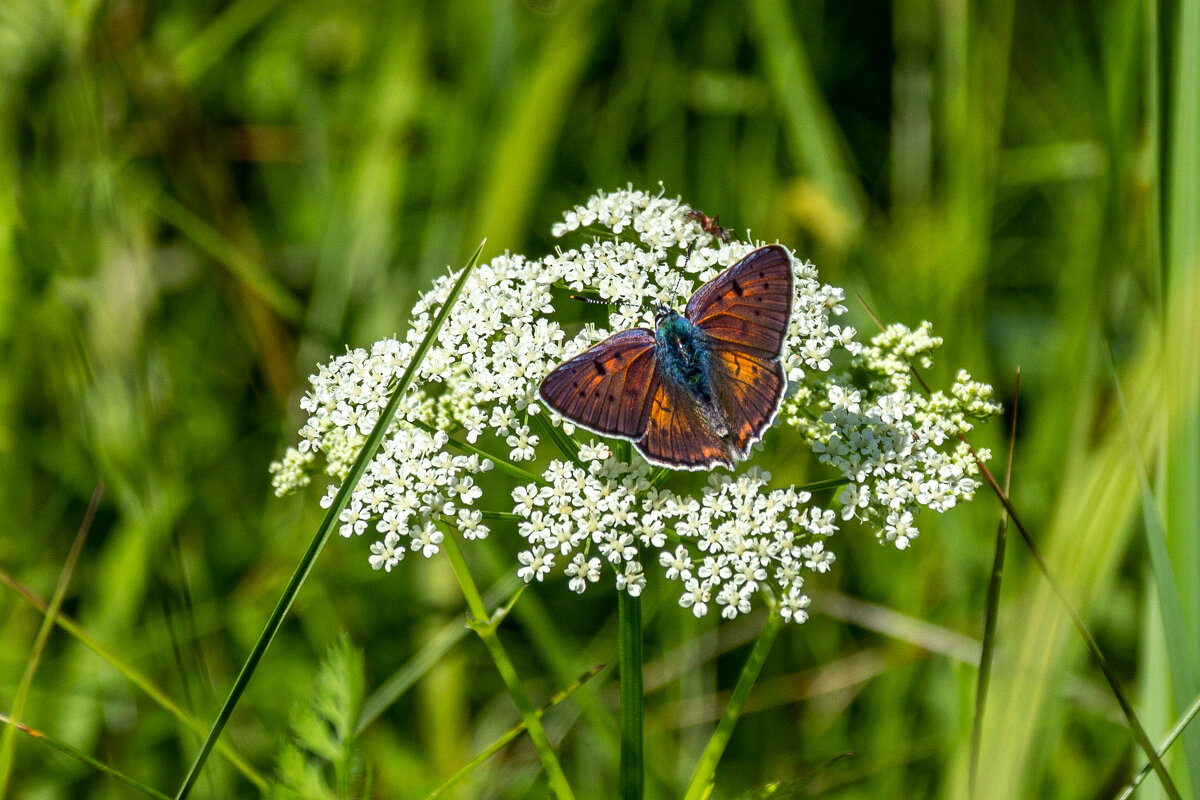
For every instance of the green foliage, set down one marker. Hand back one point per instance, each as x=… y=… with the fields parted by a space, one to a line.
x=201 y=200
x=323 y=759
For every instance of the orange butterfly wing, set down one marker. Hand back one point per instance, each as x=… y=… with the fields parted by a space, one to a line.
x=607 y=389
x=749 y=391
x=677 y=436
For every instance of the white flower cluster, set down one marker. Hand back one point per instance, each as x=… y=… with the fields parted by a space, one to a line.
x=724 y=545
x=473 y=406
x=886 y=440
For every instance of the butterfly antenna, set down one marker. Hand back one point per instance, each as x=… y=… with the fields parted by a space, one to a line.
x=679 y=279
x=596 y=302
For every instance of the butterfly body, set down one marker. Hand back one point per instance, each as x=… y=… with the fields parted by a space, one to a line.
x=702 y=387
x=681 y=350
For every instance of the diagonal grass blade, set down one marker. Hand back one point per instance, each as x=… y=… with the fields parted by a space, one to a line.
x=325 y=531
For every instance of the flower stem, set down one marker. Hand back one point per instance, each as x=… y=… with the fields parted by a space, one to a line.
x=482 y=624
x=629 y=656
x=706 y=768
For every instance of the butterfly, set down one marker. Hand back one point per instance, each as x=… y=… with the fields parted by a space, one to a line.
x=702 y=387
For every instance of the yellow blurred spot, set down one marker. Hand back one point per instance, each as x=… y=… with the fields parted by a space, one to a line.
x=817 y=212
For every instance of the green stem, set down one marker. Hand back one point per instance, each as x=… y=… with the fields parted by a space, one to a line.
x=827 y=483
x=1162 y=751
x=1110 y=675
x=512 y=733
x=483 y=625
x=992 y=609
x=629 y=659
x=706 y=768
x=565 y=444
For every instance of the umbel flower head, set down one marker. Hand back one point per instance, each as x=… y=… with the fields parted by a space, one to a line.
x=590 y=507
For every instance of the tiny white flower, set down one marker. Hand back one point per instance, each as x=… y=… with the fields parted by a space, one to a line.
x=387 y=554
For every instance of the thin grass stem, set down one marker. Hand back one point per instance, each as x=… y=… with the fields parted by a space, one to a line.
x=513 y=733
x=992 y=608
x=1162 y=751
x=1114 y=683
x=43 y=635
x=83 y=757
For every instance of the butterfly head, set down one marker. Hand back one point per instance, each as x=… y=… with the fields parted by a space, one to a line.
x=663 y=313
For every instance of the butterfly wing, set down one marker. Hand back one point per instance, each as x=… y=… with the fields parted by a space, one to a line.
x=749 y=305
x=744 y=314
x=749 y=391
x=609 y=388
x=676 y=434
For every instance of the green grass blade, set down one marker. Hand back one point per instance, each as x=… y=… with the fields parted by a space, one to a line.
x=328 y=525
x=1181 y=475
x=83 y=757
x=706 y=767
x=8 y=742
x=513 y=733
x=1180 y=645
x=1114 y=683
x=1179 y=728
x=525 y=139
x=73 y=629
x=812 y=132
x=244 y=268
x=1110 y=675
x=212 y=43
x=993 y=605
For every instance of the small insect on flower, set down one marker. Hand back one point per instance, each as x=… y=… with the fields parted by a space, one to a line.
x=710 y=225
x=702 y=388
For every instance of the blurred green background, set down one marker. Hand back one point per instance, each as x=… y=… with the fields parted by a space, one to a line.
x=200 y=201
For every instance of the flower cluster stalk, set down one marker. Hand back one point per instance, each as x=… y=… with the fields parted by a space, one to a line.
x=629 y=654
x=483 y=624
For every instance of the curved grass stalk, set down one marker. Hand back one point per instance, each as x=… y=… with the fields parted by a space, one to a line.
x=81 y=756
